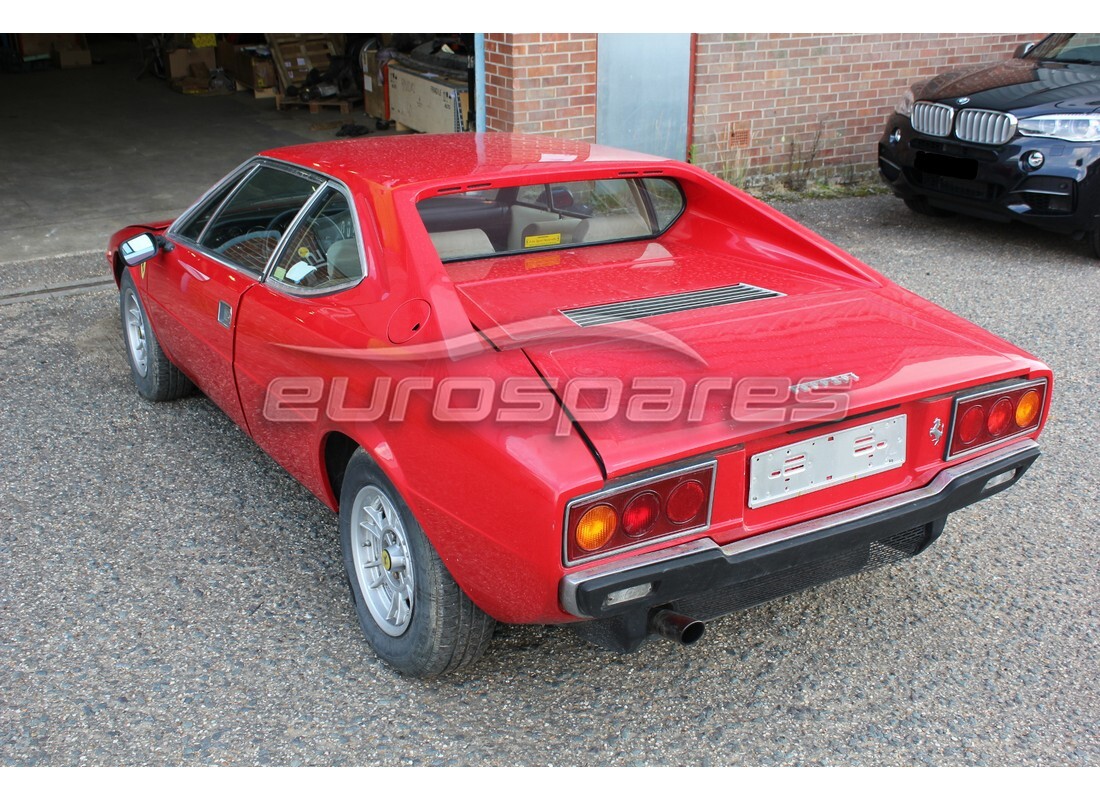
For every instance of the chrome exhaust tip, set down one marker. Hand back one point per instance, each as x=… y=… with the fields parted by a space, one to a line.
x=675 y=627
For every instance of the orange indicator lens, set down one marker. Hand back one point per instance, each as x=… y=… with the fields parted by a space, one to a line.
x=1027 y=410
x=595 y=528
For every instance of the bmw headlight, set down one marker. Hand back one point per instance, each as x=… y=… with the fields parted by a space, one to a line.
x=1071 y=127
x=905 y=105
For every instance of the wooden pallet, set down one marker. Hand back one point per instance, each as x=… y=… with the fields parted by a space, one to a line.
x=344 y=104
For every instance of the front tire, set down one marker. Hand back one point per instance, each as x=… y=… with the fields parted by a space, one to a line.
x=410 y=609
x=1094 y=240
x=155 y=377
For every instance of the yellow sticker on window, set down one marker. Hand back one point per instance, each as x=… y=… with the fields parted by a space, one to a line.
x=542 y=240
x=280 y=273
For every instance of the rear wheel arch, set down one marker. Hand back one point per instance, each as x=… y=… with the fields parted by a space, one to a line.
x=337 y=450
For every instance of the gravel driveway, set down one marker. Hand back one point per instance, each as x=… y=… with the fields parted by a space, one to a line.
x=168 y=595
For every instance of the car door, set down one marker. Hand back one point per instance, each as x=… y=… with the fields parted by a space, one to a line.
x=303 y=307
x=219 y=255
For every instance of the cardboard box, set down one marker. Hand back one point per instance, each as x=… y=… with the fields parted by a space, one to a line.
x=426 y=103
x=180 y=61
x=65 y=50
x=298 y=54
x=263 y=75
x=374 y=86
x=44 y=44
x=242 y=65
x=227 y=58
x=70 y=59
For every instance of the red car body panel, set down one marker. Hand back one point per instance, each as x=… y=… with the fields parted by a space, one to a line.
x=492 y=495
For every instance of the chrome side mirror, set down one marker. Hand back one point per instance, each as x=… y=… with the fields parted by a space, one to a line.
x=1023 y=49
x=140 y=248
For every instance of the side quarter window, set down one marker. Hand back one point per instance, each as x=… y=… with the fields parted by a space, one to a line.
x=194 y=227
x=667 y=200
x=322 y=252
x=247 y=229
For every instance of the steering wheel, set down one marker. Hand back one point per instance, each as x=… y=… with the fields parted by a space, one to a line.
x=281 y=220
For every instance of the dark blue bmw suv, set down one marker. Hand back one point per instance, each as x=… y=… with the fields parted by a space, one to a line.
x=1016 y=140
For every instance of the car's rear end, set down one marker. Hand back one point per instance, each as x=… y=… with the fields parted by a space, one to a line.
x=766 y=414
x=819 y=432
x=795 y=509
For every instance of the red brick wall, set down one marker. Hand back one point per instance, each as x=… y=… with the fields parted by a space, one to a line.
x=541 y=83
x=756 y=95
x=760 y=98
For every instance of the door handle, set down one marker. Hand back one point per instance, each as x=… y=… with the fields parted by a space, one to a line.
x=225 y=314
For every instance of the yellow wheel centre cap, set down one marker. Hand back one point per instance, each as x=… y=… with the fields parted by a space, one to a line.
x=387 y=564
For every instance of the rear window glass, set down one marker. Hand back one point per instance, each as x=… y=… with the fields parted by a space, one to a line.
x=549 y=215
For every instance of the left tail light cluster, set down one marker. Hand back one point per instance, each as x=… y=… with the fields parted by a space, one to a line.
x=989 y=416
x=639 y=513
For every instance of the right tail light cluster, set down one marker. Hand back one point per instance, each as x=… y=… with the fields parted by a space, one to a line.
x=991 y=415
x=639 y=512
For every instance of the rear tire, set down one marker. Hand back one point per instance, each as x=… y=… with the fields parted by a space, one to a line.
x=920 y=205
x=1094 y=240
x=155 y=377
x=410 y=609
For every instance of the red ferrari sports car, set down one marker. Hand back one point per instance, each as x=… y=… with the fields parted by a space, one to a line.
x=549 y=382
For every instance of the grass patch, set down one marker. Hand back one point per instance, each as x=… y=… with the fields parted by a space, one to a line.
x=777 y=190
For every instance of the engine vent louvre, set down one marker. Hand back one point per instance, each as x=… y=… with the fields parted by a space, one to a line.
x=667 y=304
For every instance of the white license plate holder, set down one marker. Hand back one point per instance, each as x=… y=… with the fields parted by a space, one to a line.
x=829 y=460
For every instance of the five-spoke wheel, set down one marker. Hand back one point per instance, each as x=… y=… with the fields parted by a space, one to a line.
x=155 y=377
x=383 y=563
x=411 y=610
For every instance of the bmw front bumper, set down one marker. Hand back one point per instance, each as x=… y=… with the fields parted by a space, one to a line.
x=1062 y=195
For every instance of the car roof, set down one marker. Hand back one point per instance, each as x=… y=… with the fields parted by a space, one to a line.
x=395 y=161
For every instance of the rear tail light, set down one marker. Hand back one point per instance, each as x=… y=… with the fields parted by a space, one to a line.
x=686 y=501
x=971 y=424
x=639 y=512
x=1027 y=410
x=596 y=526
x=991 y=415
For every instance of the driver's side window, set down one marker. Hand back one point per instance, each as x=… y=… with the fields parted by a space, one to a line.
x=323 y=251
x=247 y=229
